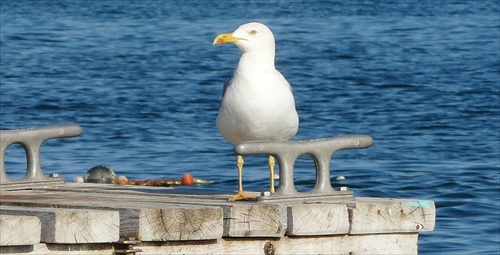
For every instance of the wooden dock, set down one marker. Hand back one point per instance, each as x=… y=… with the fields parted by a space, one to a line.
x=41 y=215
x=112 y=219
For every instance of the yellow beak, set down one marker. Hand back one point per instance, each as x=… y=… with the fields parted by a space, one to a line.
x=226 y=38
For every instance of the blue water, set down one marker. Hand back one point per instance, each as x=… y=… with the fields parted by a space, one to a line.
x=144 y=81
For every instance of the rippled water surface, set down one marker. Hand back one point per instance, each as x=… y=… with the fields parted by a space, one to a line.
x=144 y=81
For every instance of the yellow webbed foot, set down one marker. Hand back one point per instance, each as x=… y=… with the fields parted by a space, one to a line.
x=241 y=196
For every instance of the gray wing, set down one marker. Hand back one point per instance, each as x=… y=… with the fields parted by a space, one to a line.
x=226 y=85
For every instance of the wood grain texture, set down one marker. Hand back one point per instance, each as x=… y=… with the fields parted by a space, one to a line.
x=60 y=249
x=317 y=219
x=171 y=224
x=260 y=220
x=336 y=244
x=168 y=222
x=61 y=225
x=372 y=216
x=19 y=230
x=200 y=223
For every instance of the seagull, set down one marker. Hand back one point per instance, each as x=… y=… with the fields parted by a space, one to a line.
x=257 y=102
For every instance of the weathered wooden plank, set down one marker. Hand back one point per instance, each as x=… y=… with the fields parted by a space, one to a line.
x=141 y=217
x=181 y=224
x=255 y=220
x=337 y=244
x=60 y=225
x=241 y=219
x=19 y=230
x=317 y=219
x=265 y=219
x=172 y=224
x=60 y=249
x=372 y=215
x=157 y=222
x=87 y=198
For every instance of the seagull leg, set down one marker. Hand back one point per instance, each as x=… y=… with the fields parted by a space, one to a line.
x=272 y=163
x=241 y=194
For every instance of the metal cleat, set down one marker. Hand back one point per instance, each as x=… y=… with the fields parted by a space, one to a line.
x=32 y=140
x=321 y=151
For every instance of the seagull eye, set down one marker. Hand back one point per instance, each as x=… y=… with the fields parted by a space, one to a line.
x=253 y=32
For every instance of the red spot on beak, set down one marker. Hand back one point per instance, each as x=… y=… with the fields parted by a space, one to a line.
x=220 y=41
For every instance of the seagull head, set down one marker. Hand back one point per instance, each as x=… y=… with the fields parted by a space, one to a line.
x=251 y=37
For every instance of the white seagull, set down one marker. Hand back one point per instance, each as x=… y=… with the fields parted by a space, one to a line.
x=257 y=102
